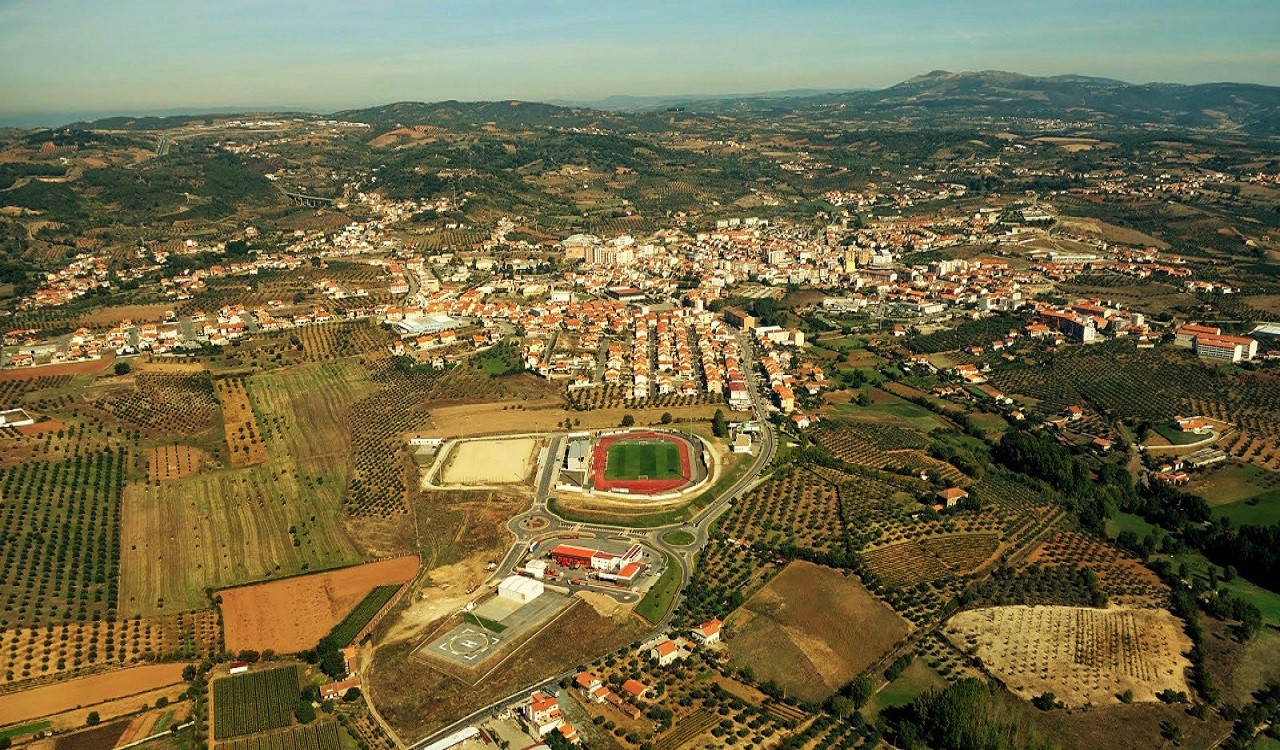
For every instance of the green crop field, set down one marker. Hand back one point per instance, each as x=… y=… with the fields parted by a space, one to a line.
x=655 y=459
x=248 y=703
x=346 y=631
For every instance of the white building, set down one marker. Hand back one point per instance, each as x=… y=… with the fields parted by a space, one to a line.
x=520 y=589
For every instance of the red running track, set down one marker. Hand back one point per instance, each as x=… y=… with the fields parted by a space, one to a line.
x=638 y=486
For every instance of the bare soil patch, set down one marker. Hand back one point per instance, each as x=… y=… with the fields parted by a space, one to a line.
x=252 y=615
x=1083 y=656
x=86 y=691
x=812 y=629
x=506 y=417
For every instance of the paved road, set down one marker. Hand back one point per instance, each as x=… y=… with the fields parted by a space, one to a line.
x=549 y=525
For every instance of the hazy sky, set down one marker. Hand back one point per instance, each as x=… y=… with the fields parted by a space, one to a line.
x=129 y=56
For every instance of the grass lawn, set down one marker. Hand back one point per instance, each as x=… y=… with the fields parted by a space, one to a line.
x=1263 y=599
x=499 y=361
x=914 y=681
x=1261 y=510
x=654 y=459
x=658 y=600
x=892 y=407
x=25 y=729
x=493 y=626
x=1178 y=437
x=678 y=538
x=1233 y=483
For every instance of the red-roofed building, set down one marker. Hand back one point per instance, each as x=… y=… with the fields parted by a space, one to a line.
x=335 y=690
x=664 y=652
x=708 y=632
x=951 y=496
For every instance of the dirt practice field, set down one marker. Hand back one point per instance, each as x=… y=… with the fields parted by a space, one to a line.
x=812 y=629
x=315 y=603
x=86 y=691
x=1081 y=655
x=490 y=462
x=168 y=462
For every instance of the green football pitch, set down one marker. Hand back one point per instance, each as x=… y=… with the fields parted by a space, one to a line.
x=653 y=459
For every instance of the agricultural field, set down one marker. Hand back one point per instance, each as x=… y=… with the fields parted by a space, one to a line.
x=227 y=528
x=811 y=630
x=346 y=631
x=35 y=655
x=49 y=577
x=244 y=440
x=325 y=734
x=46 y=700
x=1081 y=655
x=254 y=702
x=13 y=391
x=304 y=413
x=930 y=558
x=1120 y=576
x=161 y=404
x=166 y=463
x=726 y=574
x=336 y=600
x=794 y=507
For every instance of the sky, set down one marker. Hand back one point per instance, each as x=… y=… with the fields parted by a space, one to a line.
x=61 y=58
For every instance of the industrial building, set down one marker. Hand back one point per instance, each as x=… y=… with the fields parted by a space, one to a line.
x=520 y=589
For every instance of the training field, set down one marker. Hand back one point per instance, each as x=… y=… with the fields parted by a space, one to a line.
x=1081 y=655
x=643 y=459
x=811 y=630
x=641 y=462
x=488 y=462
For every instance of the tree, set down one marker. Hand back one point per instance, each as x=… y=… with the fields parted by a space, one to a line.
x=719 y=427
x=628 y=420
x=305 y=712
x=93 y=719
x=666 y=417
x=123 y=368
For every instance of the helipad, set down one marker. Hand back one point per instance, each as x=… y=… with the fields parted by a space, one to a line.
x=466 y=644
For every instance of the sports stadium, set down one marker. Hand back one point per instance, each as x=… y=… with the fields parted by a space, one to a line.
x=645 y=462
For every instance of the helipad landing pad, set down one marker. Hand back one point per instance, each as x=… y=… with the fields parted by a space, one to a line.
x=465 y=644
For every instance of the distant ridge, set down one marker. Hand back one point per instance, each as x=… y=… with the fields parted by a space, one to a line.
x=937 y=97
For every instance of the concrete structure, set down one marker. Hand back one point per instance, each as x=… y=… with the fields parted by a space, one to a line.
x=15 y=418
x=520 y=589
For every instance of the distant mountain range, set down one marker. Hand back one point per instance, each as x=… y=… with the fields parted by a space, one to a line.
x=939 y=97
